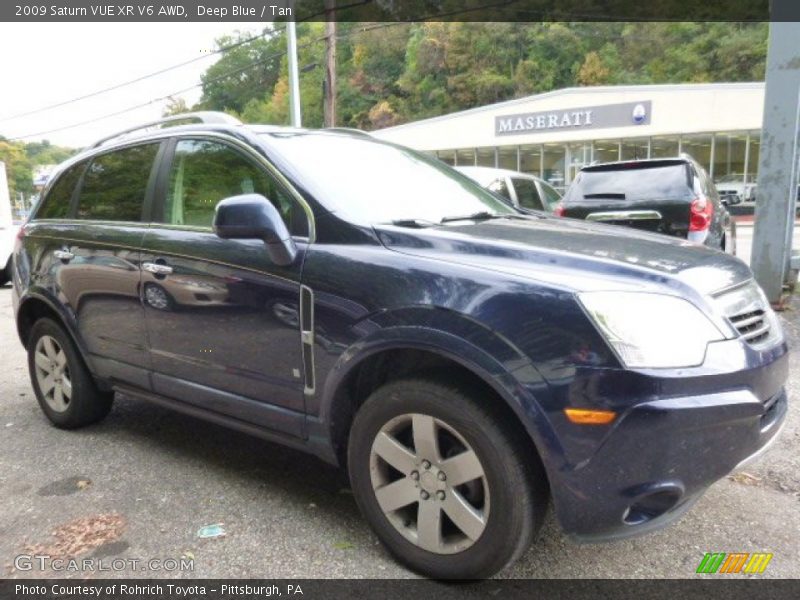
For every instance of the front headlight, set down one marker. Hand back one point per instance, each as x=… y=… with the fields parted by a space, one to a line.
x=651 y=330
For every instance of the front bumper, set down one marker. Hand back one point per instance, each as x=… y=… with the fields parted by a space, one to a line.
x=661 y=456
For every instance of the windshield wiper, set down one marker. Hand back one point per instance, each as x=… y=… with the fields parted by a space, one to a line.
x=415 y=223
x=478 y=216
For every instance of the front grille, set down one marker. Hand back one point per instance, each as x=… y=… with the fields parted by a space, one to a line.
x=753 y=326
x=748 y=311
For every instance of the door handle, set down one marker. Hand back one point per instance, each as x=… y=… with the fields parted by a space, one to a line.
x=156 y=269
x=64 y=255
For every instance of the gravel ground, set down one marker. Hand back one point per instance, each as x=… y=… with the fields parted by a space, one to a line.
x=146 y=479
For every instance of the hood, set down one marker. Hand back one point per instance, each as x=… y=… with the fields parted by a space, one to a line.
x=572 y=254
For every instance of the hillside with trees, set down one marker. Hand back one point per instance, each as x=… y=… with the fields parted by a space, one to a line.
x=394 y=73
x=22 y=158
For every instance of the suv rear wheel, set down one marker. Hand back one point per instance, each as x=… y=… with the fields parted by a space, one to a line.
x=443 y=481
x=63 y=386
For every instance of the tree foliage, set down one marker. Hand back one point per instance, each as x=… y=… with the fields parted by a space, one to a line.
x=21 y=159
x=394 y=73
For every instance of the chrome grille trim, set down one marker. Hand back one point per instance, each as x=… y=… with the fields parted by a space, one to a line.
x=748 y=311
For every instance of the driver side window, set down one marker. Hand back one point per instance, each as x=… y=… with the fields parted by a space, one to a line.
x=204 y=172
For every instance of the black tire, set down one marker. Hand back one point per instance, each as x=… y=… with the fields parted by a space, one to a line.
x=87 y=403
x=5 y=274
x=517 y=484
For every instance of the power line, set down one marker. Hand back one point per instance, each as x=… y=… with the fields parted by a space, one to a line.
x=117 y=86
x=165 y=97
x=261 y=61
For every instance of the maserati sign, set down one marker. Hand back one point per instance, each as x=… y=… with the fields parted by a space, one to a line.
x=591 y=117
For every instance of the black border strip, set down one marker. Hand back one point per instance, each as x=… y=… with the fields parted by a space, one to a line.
x=709 y=588
x=398 y=10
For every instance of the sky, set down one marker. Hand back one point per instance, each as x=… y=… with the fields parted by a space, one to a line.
x=46 y=63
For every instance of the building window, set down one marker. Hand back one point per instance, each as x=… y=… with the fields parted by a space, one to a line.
x=606 y=151
x=554 y=165
x=578 y=155
x=751 y=168
x=507 y=157
x=447 y=156
x=635 y=148
x=466 y=157
x=698 y=146
x=729 y=160
x=664 y=147
x=485 y=157
x=530 y=158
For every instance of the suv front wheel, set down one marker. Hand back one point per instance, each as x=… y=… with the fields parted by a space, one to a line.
x=64 y=388
x=443 y=480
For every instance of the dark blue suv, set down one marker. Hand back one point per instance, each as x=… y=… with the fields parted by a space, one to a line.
x=466 y=363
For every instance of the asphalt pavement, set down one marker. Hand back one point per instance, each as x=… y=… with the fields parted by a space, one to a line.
x=142 y=484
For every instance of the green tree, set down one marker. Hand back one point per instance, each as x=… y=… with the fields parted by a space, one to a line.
x=243 y=73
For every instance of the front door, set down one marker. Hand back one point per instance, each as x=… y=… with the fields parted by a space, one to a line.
x=223 y=320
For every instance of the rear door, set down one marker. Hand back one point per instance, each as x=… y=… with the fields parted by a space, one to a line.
x=97 y=260
x=223 y=320
x=654 y=196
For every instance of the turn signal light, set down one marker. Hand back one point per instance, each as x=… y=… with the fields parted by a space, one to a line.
x=584 y=416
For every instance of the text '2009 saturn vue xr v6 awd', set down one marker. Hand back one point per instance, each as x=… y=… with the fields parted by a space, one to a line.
x=466 y=363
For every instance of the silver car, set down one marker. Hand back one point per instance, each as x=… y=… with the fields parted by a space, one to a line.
x=521 y=190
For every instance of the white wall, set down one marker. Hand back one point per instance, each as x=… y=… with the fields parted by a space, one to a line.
x=5 y=200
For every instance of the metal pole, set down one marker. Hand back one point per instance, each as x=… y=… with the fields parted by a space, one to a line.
x=294 y=78
x=777 y=168
x=329 y=110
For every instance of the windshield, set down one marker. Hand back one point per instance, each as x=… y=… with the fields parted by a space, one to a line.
x=651 y=183
x=373 y=182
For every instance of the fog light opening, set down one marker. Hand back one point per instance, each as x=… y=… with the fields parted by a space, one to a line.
x=651 y=506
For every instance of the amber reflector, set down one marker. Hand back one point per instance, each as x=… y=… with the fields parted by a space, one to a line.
x=584 y=416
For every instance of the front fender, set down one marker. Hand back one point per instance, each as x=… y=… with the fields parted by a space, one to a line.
x=455 y=337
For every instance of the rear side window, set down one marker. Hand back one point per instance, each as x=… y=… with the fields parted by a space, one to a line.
x=115 y=184
x=551 y=197
x=499 y=187
x=56 y=203
x=649 y=183
x=527 y=194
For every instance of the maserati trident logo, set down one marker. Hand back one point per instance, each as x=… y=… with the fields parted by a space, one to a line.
x=639 y=114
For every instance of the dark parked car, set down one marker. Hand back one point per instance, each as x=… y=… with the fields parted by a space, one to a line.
x=673 y=196
x=366 y=303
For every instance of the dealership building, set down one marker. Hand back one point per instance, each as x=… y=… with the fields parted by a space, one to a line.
x=552 y=135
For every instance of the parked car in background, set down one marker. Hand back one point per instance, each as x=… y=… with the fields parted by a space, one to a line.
x=733 y=190
x=8 y=229
x=672 y=196
x=469 y=364
x=523 y=191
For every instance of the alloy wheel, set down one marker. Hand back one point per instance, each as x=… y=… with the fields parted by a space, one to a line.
x=52 y=373
x=429 y=483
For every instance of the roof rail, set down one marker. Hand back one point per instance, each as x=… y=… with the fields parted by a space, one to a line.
x=350 y=130
x=206 y=117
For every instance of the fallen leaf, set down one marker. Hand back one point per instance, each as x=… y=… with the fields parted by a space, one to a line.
x=343 y=545
x=83 y=484
x=81 y=535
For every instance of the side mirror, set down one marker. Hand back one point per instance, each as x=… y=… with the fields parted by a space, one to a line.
x=251 y=216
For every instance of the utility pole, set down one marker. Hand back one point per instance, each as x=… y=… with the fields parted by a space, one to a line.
x=778 y=162
x=294 y=78
x=330 y=65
